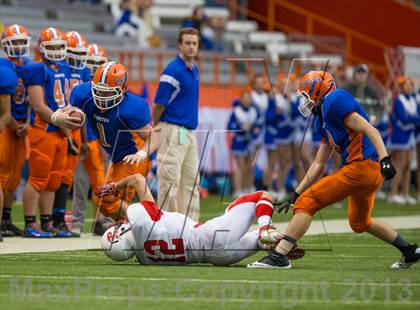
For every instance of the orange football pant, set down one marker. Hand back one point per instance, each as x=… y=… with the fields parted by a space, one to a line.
x=47 y=158
x=95 y=167
x=72 y=160
x=110 y=204
x=358 y=181
x=12 y=158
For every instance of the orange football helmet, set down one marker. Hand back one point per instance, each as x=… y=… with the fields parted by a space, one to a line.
x=16 y=41
x=109 y=85
x=313 y=87
x=76 y=49
x=51 y=44
x=96 y=57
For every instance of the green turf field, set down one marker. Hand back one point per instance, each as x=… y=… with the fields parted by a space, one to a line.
x=215 y=205
x=354 y=275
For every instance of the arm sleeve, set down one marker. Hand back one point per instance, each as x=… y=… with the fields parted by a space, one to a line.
x=34 y=74
x=169 y=87
x=8 y=81
x=340 y=107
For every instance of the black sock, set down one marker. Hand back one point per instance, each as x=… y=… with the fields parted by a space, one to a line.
x=7 y=212
x=60 y=202
x=46 y=218
x=400 y=243
x=29 y=220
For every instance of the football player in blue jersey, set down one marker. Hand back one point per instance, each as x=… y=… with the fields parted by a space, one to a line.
x=16 y=44
x=345 y=128
x=8 y=85
x=76 y=57
x=121 y=121
x=47 y=87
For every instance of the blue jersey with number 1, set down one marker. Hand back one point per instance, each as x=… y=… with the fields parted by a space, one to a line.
x=113 y=127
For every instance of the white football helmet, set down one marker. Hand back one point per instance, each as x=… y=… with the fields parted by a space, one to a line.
x=118 y=242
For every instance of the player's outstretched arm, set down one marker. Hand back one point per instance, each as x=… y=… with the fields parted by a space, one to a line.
x=359 y=124
x=140 y=185
x=151 y=142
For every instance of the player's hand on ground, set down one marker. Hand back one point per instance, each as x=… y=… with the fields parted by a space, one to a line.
x=284 y=206
x=62 y=118
x=106 y=189
x=22 y=130
x=387 y=168
x=72 y=147
x=135 y=158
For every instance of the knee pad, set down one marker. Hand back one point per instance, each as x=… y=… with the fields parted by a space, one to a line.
x=360 y=227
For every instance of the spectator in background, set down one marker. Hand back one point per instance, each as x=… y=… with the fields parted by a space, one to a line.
x=198 y=20
x=284 y=133
x=134 y=20
x=175 y=115
x=242 y=123
x=404 y=118
x=366 y=95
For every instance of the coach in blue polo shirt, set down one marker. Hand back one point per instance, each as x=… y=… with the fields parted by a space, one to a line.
x=175 y=115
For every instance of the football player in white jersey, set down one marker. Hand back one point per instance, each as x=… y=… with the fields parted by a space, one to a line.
x=159 y=237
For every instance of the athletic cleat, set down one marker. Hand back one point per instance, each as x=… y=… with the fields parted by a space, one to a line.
x=57 y=233
x=269 y=235
x=32 y=232
x=6 y=232
x=9 y=226
x=274 y=260
x=63 y=227
x=410 y=257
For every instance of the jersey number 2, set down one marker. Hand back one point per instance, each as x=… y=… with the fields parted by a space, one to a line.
x=177 y=253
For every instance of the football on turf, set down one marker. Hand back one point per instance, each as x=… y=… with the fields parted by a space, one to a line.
x=78 y=114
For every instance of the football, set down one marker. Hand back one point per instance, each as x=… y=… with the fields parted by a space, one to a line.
x=78 y=114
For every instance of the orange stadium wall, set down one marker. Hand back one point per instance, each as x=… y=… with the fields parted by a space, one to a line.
x=387 y=21
x=210 y=96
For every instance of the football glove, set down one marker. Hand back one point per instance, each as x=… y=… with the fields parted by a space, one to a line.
x=289 y=203
x=106 y=189
x=135 y=158
x=387 y=168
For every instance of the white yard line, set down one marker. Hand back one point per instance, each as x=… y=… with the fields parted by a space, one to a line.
x=197 y=280
x=88 y=241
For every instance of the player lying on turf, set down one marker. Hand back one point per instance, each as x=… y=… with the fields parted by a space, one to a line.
x=345 y=128
x=160 y=237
